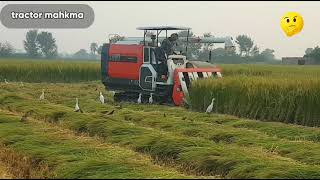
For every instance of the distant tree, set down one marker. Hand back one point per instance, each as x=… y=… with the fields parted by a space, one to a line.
x=255 y=51
x=267 y=54
x=308 y=51
x=245 y=44
x=93 y=48
x=99 y=50
x=30 y=44
x=207 y=34
x=218 y=52
x=207 y=46
x=116 y=38
x=65 y=55
x=193 y=48
x=47 y=44
x=315 y=54
x=81 y=54
x=231 y=52
x=6 y=49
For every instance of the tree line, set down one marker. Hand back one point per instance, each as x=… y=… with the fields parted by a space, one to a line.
x=40 y=44
x=248 y=51
x=43 y=45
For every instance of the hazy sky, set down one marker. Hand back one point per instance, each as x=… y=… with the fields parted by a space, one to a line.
x=260 y=20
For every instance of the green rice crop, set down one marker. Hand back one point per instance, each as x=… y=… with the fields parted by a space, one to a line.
x=284 y=99
x=49 y=70
x=268 y=92
x=265 y=70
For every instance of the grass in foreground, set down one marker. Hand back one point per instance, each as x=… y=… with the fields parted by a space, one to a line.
x=196 y=142
x=69 y=156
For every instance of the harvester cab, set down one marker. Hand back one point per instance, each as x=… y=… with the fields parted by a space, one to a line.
x=149 y=64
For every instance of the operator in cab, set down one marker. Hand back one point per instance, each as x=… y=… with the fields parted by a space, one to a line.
x=166 y=48
x=162 y=53
x=168 y=44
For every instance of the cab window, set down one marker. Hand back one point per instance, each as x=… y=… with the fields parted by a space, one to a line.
x=146 y=55
x=152 y=56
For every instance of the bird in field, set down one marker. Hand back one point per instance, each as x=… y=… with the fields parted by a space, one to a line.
x=164 y=115
x=150 y=99
x=119 y=107
x=77 y=108
x=96 y=89
x=218 y=122
x=42 y=95
x=24 y=118
x=10 y=109
x=104 y=112
x=5 y=81
x=113 y=93
x=139 y=99
x=101 y=98
x=210 y=107
x=110 y=113
x=21 y=84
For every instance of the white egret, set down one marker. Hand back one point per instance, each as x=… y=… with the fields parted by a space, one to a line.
x=139 y=99
x=77 y=108
x=150 y=99
x=210 y=107
x=42 y=95
x=101 y=98
x=113 y=93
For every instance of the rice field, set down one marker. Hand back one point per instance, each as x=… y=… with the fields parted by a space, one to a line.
x=281 y=93
x=269 y=99
x=290 y=71
x=142 y=141
x=154 y=141
x=49 y=70
x=289 y=94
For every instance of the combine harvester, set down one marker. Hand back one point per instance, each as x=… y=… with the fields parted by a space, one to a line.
x=131 y=67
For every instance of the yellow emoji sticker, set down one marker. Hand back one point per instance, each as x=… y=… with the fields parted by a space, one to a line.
x=291 y=23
